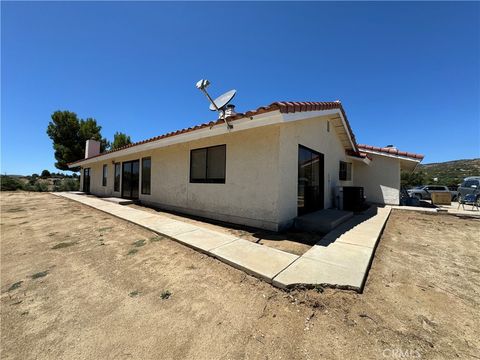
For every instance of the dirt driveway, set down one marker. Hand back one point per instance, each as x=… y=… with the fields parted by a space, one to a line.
x=80 y=284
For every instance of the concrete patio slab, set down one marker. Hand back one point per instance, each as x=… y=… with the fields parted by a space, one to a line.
x=173 y=228
x=153 y=221
x=131 y=215
x=342 y=258
x=306 y=271
x=341 y=254
x=118 y=201
x=322 y=221
x=254 y=259
x=205 y=240
x=368 y=240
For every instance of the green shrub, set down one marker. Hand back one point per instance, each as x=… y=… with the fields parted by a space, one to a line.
x=10 y=184
x=67 y=184
x=40 y=186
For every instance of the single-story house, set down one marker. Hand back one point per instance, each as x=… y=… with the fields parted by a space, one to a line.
x=278 y=162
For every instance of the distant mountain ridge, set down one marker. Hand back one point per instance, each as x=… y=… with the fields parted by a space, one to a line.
x=450 y=172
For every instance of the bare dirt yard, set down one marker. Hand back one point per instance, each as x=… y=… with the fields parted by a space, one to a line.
x=77 y=283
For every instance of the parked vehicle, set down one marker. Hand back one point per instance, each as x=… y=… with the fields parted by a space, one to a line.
x=454 y=191
x=424 y=192
x=470 y=185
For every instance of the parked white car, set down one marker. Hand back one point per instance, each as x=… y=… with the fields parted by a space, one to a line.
x=424 y=192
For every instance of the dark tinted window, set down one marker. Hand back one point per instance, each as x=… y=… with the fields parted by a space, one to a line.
x=116 y=183
x=345 y=172
x=104 y=177
x=207 y=165
x=469 y=183
x=146 y=175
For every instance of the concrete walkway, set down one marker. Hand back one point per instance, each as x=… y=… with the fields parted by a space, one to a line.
x=341 y=259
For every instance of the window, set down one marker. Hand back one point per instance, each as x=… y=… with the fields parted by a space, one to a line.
x=328 y=126
x=146 y=174
x=207 y=165
x=116 y=183
x=105 y=173
x=345 y=172
x=470 y=183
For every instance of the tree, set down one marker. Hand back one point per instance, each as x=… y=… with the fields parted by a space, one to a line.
x=45 y=174
x=120 y=140
x=409 y=179
x=69 y=135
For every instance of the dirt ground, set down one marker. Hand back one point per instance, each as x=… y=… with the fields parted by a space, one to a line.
x=77 y=283
x=291 y=241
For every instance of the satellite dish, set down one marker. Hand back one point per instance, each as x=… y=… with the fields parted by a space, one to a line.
x=220 y=103
x=222 y=100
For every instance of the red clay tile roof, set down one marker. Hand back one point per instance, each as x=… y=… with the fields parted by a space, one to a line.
x=284 y=107
x=359 y=154
x=389 y=150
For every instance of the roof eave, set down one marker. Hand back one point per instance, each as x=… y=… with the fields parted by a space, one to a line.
x=243 y=123
x=392 y=155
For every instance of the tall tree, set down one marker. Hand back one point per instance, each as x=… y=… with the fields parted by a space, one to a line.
x=69 y=134
x=409 y=179
x=45 y=174
x=119 y=140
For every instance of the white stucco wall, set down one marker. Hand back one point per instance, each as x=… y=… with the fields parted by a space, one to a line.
x=380 y=179
x=261 y=183
x=313 y=134
x=249 y=195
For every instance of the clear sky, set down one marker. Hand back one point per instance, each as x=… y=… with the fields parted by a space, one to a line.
x=407 y=73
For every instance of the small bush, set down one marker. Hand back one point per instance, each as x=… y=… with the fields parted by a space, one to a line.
x=67 y=184
x=15 y=286
x=39 y=274
x=10 y=184
x=134 y=293
x=165 y=295
x=40 y=186
x=62 y=245
x=132 y=252
x=139 y=243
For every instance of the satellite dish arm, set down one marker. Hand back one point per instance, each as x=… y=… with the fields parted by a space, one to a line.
x=201 y=85
x=229 y=126
x=210 y=99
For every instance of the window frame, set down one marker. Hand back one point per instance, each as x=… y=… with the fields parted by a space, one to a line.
x=104 y=174
x=142 y=189
x=206 y=180
x=347 y=172
x=116 y=184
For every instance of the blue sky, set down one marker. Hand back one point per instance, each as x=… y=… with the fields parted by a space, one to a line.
x=407 y=73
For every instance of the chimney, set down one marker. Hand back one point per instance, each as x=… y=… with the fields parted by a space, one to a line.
x=230 y=110
x=92 y=148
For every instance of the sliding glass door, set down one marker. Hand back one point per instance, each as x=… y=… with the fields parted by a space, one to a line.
x=310 y=180
x=130 y=179
x=86 y=180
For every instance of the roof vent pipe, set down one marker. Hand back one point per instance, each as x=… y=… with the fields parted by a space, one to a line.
x=230 y=110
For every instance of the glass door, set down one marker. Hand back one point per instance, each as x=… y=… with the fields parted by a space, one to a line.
x=86 y=180
x=310 y=180
x=130 y=179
